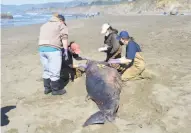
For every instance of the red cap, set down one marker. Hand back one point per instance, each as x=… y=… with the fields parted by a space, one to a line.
x=75 y=48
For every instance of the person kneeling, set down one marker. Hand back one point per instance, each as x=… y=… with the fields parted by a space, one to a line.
x=132 y=65
x=69 y=70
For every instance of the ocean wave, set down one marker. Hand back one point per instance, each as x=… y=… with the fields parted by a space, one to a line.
x=33 y=14
x=28 y=18
x=45 y=15
x=68 y=15
x=18 y=16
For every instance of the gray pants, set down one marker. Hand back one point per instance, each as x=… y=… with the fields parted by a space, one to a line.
x=51 y=62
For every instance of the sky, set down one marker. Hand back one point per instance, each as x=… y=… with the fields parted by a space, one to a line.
x=19 y=2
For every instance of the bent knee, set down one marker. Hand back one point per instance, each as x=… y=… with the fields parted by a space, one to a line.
x=132 y=74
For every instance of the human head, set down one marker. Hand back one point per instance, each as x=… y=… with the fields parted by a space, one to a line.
x=59 y=17
x=74 y=47
x=123 y=37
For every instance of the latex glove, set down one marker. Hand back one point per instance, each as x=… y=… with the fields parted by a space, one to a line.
x=65 y=53
x=114 y=61
x=102 y=49
x=81 y=65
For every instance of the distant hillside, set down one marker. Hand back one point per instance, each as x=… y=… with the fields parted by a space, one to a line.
x=26 y=7
x=53 y=5
x=153 y=5
x=103 y=2
x=103 y=6
x=136 y=6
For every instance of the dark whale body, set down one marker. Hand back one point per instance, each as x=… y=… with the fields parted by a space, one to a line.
x=103 y=85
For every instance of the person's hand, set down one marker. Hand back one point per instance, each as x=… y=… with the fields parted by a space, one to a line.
x=114 y=61
x=81 y=66
x=65 y=53
x=102 y=49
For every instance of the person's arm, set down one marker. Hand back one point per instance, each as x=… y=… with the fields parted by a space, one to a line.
x=114 y=43
x=65 y=43
x=77 y=57
x=78 y=65
x=104 y=48
x=64 y=39
x=124 y=60
x=106 y=45
x=107 y=42
x=64 y=35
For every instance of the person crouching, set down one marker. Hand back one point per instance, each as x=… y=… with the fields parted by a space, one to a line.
x=112 y=46
x=132 y=65
x=69 y=70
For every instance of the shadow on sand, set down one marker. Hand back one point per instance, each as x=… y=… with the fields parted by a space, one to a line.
x=4 y=118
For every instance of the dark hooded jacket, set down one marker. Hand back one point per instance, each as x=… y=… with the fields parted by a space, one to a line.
x=112 y=42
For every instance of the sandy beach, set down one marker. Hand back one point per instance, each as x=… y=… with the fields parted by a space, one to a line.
x=159 y=105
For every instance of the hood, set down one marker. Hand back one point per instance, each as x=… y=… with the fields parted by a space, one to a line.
x=115 y=31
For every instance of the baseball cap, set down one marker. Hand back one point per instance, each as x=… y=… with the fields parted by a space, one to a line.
x=75 y=48
x=123 y=34
x=104 y=28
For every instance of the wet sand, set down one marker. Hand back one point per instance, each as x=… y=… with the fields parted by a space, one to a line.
x=159 y=105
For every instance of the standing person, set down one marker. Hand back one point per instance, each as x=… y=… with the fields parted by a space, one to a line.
x=112 y=46
x=53 y=43
x=69 y=70
x=133 y=64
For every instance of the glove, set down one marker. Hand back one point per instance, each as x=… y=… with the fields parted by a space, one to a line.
x=81 y=65
x=102 y=49
x=65 y=53
x=114 y=61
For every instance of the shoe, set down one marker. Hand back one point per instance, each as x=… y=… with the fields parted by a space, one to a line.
x=59 y=92
x=56 y=90
x=47 y=87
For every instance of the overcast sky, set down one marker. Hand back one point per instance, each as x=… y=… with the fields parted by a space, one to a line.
x=19 y=2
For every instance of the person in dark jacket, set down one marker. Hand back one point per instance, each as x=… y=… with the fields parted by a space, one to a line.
x=111 y=46
x=68 y=69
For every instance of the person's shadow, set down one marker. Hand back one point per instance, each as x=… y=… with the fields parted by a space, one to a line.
x=4 y=118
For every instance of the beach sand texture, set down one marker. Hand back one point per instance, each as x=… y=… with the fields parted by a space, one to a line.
x=159 y=105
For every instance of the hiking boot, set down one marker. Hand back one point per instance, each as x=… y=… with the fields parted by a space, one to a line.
x=59 y=92
x=55 y=85
x=47 y=87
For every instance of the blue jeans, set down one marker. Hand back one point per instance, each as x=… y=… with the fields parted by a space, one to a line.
x=51 y=62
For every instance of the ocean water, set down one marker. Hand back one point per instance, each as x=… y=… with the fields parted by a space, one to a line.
x=32 y=18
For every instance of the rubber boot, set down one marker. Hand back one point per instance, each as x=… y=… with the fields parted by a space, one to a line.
x=55 y=85
x=47 y=87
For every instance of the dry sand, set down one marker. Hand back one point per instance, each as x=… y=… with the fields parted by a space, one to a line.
x=160 y=105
